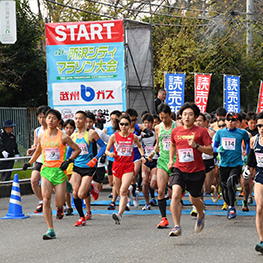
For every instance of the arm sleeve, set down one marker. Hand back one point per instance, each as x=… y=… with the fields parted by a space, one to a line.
x=69 y=152
x=251 y=159
x=101 y=143
x=248 y=145
x=216 y=145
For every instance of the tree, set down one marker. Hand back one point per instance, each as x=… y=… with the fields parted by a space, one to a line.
x=22 y=74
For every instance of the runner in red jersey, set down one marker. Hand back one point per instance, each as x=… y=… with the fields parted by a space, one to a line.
x=190 y=142
x=123 y=167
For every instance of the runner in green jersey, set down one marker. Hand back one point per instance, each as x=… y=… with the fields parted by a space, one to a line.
x=163 y=138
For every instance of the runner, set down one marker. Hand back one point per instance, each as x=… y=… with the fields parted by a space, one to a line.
x=114 y=115
x=35 y=175
x=136 y=129
x=149 y=169
x=220 y=113
x=163 y=138
x=228 y=142
x=85 y=164
x=123 y=166
x=189 y=141
x=52 y=144
x=255 y=158
x=102 y=161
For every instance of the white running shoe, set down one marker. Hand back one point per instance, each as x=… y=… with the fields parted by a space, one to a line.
x=136 y=202
x=147 y=207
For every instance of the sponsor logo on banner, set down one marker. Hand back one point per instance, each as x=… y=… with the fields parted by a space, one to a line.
x=202 y=87
x=174 y=85
x=67 y=114
x=260 y=98
x=232 y=93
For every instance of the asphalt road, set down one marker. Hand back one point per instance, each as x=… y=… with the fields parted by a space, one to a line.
x=136 y=239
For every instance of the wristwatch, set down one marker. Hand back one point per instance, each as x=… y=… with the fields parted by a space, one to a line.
x=197 y=145
x=70 y=161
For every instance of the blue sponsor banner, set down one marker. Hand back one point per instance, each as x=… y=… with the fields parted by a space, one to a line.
x=232 y=93
x=175 y=85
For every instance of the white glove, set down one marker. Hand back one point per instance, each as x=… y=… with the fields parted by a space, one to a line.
x=246 y=173
x=17 y=155
x=5 y=154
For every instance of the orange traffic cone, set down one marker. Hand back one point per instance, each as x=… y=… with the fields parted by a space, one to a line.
x=15 y=207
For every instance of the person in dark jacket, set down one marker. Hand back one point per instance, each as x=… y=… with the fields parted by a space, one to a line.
x=8 y=148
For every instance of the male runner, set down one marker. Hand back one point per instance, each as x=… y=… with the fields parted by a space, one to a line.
x=163 y=138
x=189 y=141
x=85 y=164
x=52 y=144
x=228 y=142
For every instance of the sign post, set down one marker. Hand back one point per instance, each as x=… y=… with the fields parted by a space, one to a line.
x=8 y=22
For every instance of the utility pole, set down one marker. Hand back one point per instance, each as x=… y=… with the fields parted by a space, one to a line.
x=250 y=18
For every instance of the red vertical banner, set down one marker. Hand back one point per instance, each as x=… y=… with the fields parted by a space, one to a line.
x=260 y=98
x=202 y=87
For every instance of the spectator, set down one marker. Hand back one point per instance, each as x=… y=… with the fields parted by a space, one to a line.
x=8 y=148
x=160 y=98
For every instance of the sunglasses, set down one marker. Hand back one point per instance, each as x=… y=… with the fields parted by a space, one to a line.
x=230 y=119
x=124 y=124
x=179 y=118
x=259 y=125
x=222 y=126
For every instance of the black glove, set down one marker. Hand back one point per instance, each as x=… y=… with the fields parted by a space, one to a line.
x=147 y=133
x=25 y=166
x=103 y=158
x=65 y=165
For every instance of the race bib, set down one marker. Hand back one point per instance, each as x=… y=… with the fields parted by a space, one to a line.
x=186 y=155
x=148 y=150
x=229 y=143
x=52 y=154
x=84 y=149
x=166 y=144
x=259 y=157
x=124 y=150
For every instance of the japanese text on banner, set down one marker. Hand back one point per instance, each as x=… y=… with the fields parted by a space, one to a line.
x=232 y=93
x=202 y=87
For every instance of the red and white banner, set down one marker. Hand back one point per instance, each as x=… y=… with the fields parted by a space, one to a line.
x=260 y=98
x=202 y=87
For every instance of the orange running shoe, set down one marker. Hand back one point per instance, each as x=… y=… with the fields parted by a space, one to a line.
x=81 y=222
x=164 y=223
x=95 y=192
x=88 y=215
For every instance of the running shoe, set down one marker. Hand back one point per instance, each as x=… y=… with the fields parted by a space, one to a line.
x=245 y=206
x=110 y=195
x=81 y=222
x=215 y=195
x=111 y=206
x=130 y=196
x=250 y=200
x=153 y=202
x=193 y=212
x=95 y=192
x=69 y=211
x=231 y=213
x=199 y=225
x=176 y=231
x=241 y=194
x=147 y=207
x=39 y=208
x=88 y=215
x=49 y=235
x=60 y=213
x=259 y=247
x=224 y=207
x=164 y=223
x=128 y=207
x=136 y=202
x=116 y=218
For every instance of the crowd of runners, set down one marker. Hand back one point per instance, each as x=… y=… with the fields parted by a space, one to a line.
x=192 y=152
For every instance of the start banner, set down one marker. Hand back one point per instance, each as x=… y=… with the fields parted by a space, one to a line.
x=202 y=87
x=85 y=67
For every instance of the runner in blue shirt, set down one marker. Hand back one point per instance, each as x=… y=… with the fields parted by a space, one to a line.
x=228 y=143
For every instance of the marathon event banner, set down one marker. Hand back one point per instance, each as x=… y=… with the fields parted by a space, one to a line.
x=174 y=85
x=85 y=67
x=232 y=93
x=202 y=87
x=260 y=98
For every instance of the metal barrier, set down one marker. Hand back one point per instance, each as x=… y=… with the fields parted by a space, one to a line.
x=14 y=158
